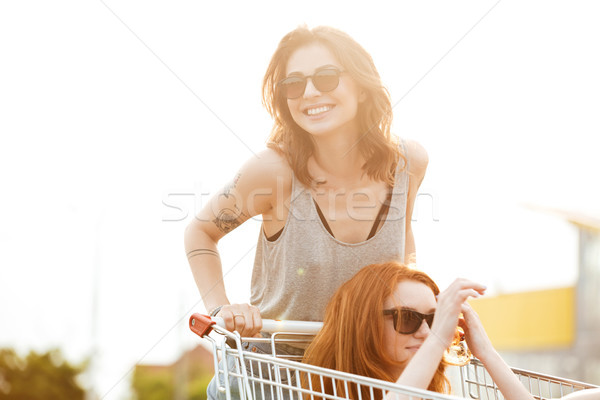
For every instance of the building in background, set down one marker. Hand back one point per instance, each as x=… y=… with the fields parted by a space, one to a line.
x=186 y=378
x=555 y=331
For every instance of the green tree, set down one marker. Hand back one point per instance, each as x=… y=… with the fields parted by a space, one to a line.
x=155 y=383
x=38 y=376
x=152 y=384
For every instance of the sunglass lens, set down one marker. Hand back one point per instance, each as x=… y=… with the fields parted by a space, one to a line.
x=326 y=80
x=293 y=87
x=409 y=322
x=429 y=320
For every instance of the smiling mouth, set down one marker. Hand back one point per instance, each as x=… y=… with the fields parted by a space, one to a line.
x=317 y=110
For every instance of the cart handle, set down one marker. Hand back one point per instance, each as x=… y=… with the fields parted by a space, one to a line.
x=203 y=324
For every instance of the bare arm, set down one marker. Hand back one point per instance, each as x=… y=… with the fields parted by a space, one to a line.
x=250 y=193
x=587 y=394
x=481 y=346
x=418 y=160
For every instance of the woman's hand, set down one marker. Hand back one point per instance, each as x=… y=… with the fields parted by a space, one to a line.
x=477 y=339
x=422 y=366
x=243 y=318
x=481 y=346
x=449 y=306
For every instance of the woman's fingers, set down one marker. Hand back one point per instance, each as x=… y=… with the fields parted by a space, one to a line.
x=471 y=319
x=239 y=322
x=477 y=338
x=463 y=325
x=450 y=304
x=243 y=318
x=468 y=311
x=459 y=291
x=465 y=319
x=466 y=293
x=227 y=313
x=462 y=283
x=256 y=320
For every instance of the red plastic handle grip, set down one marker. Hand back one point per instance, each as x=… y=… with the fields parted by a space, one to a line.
x=200 y=324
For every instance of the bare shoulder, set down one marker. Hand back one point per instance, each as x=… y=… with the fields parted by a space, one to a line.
x=417 y=158
x=267 y=168
x=265 y=184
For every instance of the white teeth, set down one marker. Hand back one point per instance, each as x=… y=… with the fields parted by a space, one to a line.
x=318 y=110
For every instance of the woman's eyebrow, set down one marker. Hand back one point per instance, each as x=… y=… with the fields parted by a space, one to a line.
x=407 y=308
x=327 y=66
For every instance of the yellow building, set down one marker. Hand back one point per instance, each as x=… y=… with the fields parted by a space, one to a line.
x=536 y=320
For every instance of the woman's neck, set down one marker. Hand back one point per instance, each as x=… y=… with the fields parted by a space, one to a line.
x=337 y=157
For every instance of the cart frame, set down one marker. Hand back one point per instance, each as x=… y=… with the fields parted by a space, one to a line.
x=246 y=374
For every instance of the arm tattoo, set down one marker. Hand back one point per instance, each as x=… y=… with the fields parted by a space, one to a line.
x=228 y=220
x=201 y=252
x=231 y=185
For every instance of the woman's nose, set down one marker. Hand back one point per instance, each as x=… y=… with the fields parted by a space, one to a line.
x=423 y=330
x=310 y=90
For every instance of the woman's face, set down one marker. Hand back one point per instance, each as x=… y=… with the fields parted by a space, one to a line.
x=328 y=112
x=414 y=296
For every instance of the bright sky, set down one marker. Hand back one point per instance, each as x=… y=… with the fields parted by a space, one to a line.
x=119 y=118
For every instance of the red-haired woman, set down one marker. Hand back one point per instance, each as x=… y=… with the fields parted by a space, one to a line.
x=391 y=322
x=334 y=187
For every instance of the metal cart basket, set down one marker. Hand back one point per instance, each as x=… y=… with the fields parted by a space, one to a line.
x=245 y=373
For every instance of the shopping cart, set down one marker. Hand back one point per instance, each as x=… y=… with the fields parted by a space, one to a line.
x=247 y=374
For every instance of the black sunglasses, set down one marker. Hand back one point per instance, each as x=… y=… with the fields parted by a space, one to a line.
x=409 y=321
x=325 y=80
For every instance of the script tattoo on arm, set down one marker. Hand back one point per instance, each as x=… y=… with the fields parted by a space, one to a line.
x=201 y=252
x=228 y=220
x=231 y=185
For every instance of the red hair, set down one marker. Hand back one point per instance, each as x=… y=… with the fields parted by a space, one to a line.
x=353 y=329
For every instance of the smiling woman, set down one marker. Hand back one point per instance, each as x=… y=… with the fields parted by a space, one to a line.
x=334 y=185
x=335 y=188
x=320 y=103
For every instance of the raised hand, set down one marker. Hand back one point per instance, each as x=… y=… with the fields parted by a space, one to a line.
x=477 y=339
x=449 y=306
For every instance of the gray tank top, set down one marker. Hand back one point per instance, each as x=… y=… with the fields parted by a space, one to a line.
x=295 y=275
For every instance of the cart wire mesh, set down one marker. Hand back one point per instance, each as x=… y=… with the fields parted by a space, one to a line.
x=246 y=374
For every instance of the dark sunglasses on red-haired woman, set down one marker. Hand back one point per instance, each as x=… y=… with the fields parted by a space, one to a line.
x=408 y=321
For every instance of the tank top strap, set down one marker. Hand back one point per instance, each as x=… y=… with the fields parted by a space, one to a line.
x=400 y=190
x=301 y=208
x=403 y=150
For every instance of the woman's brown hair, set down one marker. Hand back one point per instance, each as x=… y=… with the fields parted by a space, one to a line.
x=352 y=336
x=377 y=145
